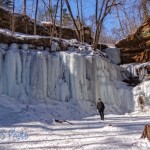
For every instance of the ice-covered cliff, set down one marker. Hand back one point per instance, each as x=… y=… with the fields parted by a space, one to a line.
x=140 y=70
x=139 y=75
x=30 y=75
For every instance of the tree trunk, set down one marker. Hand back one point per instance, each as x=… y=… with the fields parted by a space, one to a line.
x=145 y=9
x=134 y=18
x=61 y=9
x=54 y=22
x=73 y=20
x=128 y=25
x=24 y=7
x=146 y=132
x=95 y=41
x=82 y=23
x=118 y=16
x=96 y=13
x=35 y=17
x=79 y=25
x=13 y=18
x=140 y=15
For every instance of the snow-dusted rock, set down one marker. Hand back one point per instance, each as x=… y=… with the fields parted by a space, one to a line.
x=113 y=54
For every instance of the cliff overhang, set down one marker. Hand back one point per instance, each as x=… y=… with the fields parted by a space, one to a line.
x=136 y=47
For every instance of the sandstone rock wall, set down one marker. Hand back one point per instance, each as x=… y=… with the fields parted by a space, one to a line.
x=68 y=33
x=136 y=47
x=25 y=24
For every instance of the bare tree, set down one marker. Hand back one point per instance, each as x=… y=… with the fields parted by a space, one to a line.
x=78 y=19
x=50 y=11
x=79 y=22
x=105 y=9
x=82 y=22
x=128 y=24
x=35 y=17
x=61 y=9
x=13 y=17
x=96 y=11
x=120 y=21
x=73 y=20
x=24 y=7
x=134 y=18
x=145 y=9
x=52 y=16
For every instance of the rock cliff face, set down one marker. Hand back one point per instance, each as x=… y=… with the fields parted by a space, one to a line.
x=68 y=33
x=136 y=47
x=25 y=24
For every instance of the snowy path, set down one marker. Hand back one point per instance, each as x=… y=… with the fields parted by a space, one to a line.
x=85 y=134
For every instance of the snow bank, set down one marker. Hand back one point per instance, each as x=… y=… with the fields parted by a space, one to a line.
x=31 y=75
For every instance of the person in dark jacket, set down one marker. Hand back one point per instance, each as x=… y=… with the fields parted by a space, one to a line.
x=101 y=107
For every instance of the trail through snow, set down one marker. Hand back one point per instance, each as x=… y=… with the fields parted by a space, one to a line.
x=87 y=132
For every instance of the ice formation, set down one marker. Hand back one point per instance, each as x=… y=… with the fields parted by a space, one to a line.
x=28 y=75
x=136 y=70
x=113 y=54
x=143 y=90
x=141 y=71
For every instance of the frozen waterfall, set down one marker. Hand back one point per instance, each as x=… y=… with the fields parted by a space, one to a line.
x=63 y=76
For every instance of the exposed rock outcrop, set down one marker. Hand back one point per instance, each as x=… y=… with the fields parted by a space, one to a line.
x=68 y=33
x=25 y=24
x=136 y=47
x=43 y=43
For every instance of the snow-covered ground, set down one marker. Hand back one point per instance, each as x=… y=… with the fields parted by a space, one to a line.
x=33 y=127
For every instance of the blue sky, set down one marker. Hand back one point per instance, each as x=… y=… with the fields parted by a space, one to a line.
x=88 y=8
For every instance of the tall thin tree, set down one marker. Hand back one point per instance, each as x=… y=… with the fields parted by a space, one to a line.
x=73 y=20
x=78 y=19
x=120 y=22
x=105 y=9
x=13 y=18
x=35 y=17
x=96 y=11
x=24 y=6
x=82 y=22
x=145 y=9
x=61 y=10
